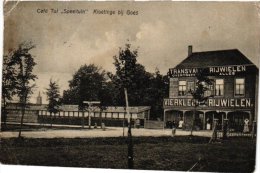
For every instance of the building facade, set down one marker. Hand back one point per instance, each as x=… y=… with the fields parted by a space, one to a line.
x=233 y=92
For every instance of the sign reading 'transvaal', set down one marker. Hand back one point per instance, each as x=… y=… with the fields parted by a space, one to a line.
x=218 y=70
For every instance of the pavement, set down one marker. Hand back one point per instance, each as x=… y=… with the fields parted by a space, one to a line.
x=98 y=132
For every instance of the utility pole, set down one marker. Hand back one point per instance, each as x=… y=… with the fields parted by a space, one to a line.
x=129 y=137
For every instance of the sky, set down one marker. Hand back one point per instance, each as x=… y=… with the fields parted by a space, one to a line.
x=161 y=31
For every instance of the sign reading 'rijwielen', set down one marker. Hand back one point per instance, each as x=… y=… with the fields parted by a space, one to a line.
x=219 y=70
x=212 y=102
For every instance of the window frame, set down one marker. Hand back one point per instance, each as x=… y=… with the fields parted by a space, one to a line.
x=187 y=88
x=185 y=92
x=215 y=86
x=239 y=95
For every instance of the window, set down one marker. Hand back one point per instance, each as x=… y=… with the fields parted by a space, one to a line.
x=239 y=86
x=219 y=87
x=182 y=88
x=209 y=91
x=190 y=86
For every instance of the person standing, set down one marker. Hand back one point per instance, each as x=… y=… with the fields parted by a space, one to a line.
x=246 y=128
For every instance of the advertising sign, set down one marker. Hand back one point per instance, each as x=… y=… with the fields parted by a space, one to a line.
x=212 y=102
x=211 y=71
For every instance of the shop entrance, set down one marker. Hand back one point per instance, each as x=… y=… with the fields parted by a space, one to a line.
x=173 y=118
x=237 y=117
x=198 y=119
x=211 y=116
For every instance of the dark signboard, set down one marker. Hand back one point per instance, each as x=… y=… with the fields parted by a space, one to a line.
x=212 y=102
x=211 y=71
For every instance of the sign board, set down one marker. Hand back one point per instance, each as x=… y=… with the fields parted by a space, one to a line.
x=211 y=71
x=211 y=102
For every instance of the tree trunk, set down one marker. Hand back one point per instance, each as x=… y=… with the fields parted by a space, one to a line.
x=100 y=117
x=83 y=121
x=4 y=112
x=51 y=118
x=192 y=124
x=193 y=120
x=20 y=130
x=23 y=111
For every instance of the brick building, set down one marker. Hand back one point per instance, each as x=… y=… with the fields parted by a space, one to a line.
x=234 y=89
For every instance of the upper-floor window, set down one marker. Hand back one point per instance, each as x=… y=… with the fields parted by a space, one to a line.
x=219 y=87
x=239 y=86
x=190 y=86
x=209 y=91
x=182 y=88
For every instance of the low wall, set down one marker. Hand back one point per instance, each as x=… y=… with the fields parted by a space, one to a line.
x=154 y=124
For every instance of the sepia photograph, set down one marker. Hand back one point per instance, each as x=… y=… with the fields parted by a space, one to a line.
x=162 y=85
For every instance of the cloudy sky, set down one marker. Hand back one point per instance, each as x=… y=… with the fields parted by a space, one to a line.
x=162 y=31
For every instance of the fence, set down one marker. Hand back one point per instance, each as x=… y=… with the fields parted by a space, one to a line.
x=236 y=130
x=82 y=118
x=14 y=115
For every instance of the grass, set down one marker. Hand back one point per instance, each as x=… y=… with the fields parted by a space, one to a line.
x=150 y=153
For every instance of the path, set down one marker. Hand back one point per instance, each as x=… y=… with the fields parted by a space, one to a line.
x=91 y=133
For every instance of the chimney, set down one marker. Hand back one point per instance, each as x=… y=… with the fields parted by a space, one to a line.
x=189 y=50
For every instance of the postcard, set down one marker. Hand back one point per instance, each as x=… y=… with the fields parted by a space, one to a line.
x=168 y=86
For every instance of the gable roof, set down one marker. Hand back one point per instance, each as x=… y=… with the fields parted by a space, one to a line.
x=215 y=58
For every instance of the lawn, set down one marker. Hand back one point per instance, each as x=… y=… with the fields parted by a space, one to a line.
x=150 y=153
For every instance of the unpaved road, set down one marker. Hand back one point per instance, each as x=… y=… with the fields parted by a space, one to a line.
x=91 y=133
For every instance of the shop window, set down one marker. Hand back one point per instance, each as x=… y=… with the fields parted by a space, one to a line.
x=182 y=88
x=219 y=87
x=239 y=86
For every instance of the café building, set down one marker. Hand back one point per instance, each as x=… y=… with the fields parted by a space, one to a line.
x=233 y=92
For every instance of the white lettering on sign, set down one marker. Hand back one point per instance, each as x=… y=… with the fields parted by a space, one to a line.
x=185 y=72
x=227 y=70
x=221 y=71
x=212 y=102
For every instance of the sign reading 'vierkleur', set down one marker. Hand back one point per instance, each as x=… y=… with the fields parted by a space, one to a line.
x=224 y=102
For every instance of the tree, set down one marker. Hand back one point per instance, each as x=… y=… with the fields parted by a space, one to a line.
x=199 y=93
x=143 y=88
x=125 y=64
x=156 y=92
x=131 y=75
x=8 y=85
x=125 y=81
x=23 y=63
x=53 y=96
x=89 y=83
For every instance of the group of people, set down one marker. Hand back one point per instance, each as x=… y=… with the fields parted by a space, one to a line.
x=174 y=124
